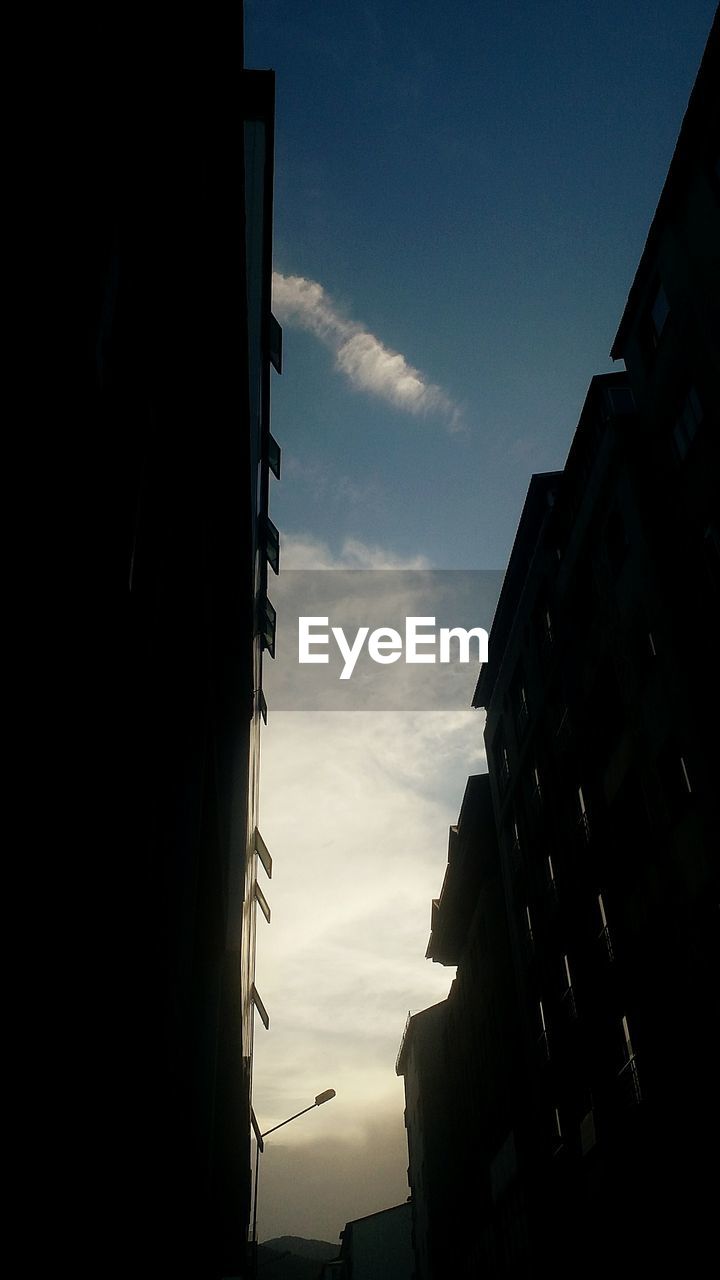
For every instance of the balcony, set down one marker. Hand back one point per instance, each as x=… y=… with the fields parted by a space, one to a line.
x=628 y=1080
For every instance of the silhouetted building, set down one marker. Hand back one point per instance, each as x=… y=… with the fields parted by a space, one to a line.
x=601 y=693
x=376 y=1247
x=175 y=542
x=469 y=929
x=422 y=1061
x=602 y=698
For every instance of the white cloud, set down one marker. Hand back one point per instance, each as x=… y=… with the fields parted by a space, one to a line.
x=364 y=360
x=329 y=485
x=304 y=551
x=355 y=809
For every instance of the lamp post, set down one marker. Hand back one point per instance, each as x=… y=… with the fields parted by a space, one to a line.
x=325 y=1096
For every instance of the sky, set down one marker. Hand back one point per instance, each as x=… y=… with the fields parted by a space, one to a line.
x=461 y=199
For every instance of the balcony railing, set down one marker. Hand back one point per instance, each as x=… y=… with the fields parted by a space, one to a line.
x=629 y=1082
x=606 y=942
x=583 y=826
x=567 y=1000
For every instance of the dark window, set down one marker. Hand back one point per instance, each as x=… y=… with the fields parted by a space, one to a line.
x=583 y=818
x=528 y=926
x=272 y=543
x=503 y=763
x=563 y=728
x=653 y=322
x=621 y=400
x=628 y=1076
x=587 y=1131
x=544 y=630
x=568 y=991
x=616 y=541
x=520 y=705
x=659 y=312
x=268 y=621
x=604 y=934
x=274 y=456
x=675 y=778
x=550 y=876
x=536 y=788
x=689 y=419
x=543 y=1042
x=558 y=1141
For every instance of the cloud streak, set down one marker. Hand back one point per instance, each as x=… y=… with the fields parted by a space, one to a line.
x=362 y=358
x=305 y=551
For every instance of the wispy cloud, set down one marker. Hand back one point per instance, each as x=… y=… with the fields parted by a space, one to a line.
x=355 y=808
x=364 y=360
x=327 y=484
x=304 y=551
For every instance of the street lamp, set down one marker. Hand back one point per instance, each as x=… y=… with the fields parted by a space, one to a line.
x=325 y=1096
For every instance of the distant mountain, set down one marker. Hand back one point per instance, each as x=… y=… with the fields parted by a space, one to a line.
x=293 y=1258
x=320 y=1249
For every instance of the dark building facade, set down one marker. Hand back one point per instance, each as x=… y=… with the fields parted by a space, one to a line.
x=175 y=546
x=601 y=693
x=422 y=1061
x=473 y=1048
x=376 y=1247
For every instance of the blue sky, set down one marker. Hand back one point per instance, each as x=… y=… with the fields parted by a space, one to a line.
x=461 y=200
x=474 y=187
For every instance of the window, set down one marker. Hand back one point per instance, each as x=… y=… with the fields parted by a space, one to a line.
x=557 y=1133
x=274 y=455
x=272 y=543
x=676 y=779
x=550 y=876
x=628 y=1076
x=537 y=795
x=528 y=925
x=583 y=820
x=515 y=846
x=685 y=775
x=544 y=629
x=263 y=853
x=568 y=995
x=689 y=419
x=543 y=1036
x=262 y=901
x=653 y=321
x=587 y=1131
x=604 y=935
x=563 y=730
x=659 y=312
x=503 y=763
x=622 y=401
x=275 y=351
x=522 y=712
x=261 y=705
x=268 y=620
x=616 y=541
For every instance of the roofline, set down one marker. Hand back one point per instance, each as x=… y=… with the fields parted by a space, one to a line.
x=404 y=1204
x=512 y=587
x=708 y=75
